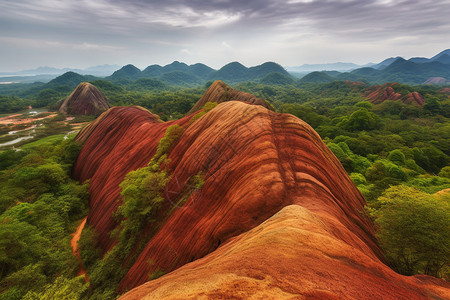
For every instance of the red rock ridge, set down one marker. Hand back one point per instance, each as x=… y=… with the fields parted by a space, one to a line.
x=385 y=92
x=379 y=94
x=258 y=166
x=220 y=92
x=414 y=97
x=86 y=99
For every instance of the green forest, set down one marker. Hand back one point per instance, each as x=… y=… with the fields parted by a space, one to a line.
x=397 y=154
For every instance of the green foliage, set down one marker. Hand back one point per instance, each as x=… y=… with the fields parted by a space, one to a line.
x=89 y=252
x=10 y=104
x=432 y=104
x=397 y=157
x=40 y=206
x=306 y=113
x=445 y=172
x=206 y=108
x=172 y=134
x=9 y=158
x=414 y=230
x=358 y=179
x=142 y=197
x=429 y=184
x=47 y=97
x=62 y=288
x=361 y=119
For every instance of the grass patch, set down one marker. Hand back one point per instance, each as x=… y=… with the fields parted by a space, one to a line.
x=47 y=141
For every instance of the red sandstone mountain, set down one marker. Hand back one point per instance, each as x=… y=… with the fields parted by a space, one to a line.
x=378 y=94
x=86 y=99
x=277 y=216
x=220 y=92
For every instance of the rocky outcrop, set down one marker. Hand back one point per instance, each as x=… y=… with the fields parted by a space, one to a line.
x=414 y=98
x=220 y=92
x=276 y=217
x=385 y=92
x=86 y=99
x=379 y=94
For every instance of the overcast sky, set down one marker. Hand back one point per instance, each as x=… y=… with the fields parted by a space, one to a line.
x=82 y=33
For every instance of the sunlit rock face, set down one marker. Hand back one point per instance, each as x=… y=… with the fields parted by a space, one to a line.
x=277 y=216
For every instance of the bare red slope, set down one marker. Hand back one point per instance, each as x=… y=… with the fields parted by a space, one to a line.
x=255 y=162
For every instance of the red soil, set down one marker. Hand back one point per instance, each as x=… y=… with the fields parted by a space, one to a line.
x=13 y=120
x=76 y=251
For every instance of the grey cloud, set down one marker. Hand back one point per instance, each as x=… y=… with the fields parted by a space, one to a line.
x=200 y=29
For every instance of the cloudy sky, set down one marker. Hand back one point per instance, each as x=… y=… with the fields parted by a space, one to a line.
x=82 y=33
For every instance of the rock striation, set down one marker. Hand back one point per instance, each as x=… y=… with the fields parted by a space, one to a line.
x=277 y=216
x=86 y=99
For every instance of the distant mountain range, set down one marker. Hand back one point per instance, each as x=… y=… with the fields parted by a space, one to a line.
x=101 y=70
x=339 y=66
x=416 y=70
x=181 y=73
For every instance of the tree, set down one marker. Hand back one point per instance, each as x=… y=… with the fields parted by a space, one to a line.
x=397 y=157
x=361 y=119
x=414 y=230
x=445 y=172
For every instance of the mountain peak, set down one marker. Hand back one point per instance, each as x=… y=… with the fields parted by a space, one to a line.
x=86 y=99
x=220 y=92
x=447 y=51
x=127 y=71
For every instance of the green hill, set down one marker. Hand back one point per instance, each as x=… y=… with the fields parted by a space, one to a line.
x=126 y=72
x=277 y=79
x=316 y=77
